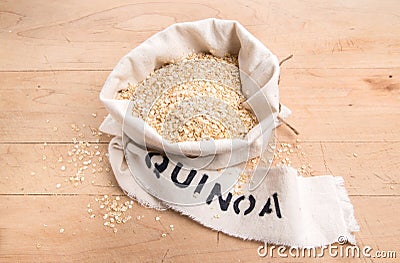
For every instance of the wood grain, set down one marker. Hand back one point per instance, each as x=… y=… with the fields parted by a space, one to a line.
x=326 y=158
x=327 y=34
x=28 y=173
x=140 y=240
x=342 y=85
x=316 y=96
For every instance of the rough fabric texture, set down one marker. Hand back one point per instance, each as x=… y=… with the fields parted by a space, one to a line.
x=259 y=73
x=284 y=209
x=313 y=211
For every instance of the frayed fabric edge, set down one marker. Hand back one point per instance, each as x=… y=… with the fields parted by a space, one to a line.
x=347 y=209
x=264 y=241
x=343 y=199
x=143 y=202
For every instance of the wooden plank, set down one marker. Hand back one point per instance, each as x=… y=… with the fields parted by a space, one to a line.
x=367 y=99
x=342 y=105
x=373 y=172
x=23 y=219
x=367 y=168
x=95 y=35
x=26 y=172
x=35 y=104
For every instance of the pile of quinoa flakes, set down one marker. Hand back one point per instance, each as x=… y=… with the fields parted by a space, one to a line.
x=196 y=98
x=199 y=98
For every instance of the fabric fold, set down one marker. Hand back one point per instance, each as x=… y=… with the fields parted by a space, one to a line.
x=285 y=209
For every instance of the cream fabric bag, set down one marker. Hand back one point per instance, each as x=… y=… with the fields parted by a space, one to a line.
x=284 y=209
x=259 y=72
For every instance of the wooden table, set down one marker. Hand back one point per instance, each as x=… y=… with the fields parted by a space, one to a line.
x=342 y=85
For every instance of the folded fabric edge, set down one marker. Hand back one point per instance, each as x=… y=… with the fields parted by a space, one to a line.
x=111 y=126
x=122 y=179
x=285 y=112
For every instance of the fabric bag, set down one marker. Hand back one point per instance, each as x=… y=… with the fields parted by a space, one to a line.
x=284 y=209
